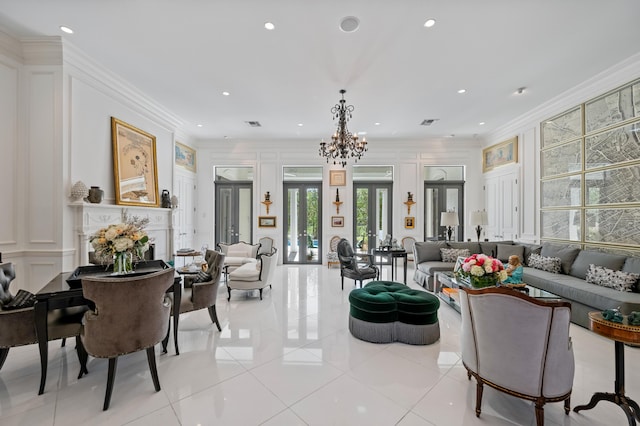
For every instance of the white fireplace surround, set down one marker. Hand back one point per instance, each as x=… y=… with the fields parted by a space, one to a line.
x=89 y=218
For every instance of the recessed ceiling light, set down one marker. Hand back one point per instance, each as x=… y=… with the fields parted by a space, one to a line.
x=481 y=123
x=225 y=93
x=520 y=90
x=376 y=124
x=430 y=23
x=66 y=29
x=462 y=91
x=269 y=26
x=199 y=125
x=349 y=24
x=300 y=124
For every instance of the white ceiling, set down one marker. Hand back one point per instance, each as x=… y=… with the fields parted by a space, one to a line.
x=185 y=53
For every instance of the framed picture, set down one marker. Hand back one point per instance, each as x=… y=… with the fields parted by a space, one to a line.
x=337 y=221
x=134 y=165
x=266 y=221
x=185 y=157
x=500 y=154
x=410 y=222
x=337 y=177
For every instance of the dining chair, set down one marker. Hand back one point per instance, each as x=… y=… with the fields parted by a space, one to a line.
x=332 y=255
x=357 y=266
x=201 y=294
x=407 y=244
x=266 y=245
x=131 y=314
x=18 y=328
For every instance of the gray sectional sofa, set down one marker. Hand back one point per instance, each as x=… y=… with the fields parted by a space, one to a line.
x=570 y=283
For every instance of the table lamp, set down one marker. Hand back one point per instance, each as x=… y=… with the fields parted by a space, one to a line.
x=478 y=219
x=449 y=219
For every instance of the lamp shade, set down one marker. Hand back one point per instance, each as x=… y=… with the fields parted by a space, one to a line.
x=449 y=219
x=478 y=218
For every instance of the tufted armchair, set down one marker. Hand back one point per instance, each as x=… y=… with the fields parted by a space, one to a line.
x=131 y=314
x=518 y=345
x=200 y=295
x=357 y=266
x=253 y=276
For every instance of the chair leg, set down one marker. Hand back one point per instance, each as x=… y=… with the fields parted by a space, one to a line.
x=567 y=405
x=214 y=316
x=539 y=413
x=82 y=357
x=64 y=341
x=260 y=294
x=478 y=397
x=151 y=357
x=3 y=356
x=228 y=291
x=113 y=365
x=165 y=341
x=342 y=281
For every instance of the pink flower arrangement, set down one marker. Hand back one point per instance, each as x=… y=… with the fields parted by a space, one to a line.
x=479 y=265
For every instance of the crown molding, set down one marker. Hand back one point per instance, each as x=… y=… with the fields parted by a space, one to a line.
x=10 y=47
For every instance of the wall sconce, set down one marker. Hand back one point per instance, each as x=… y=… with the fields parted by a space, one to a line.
x=337 y=202
x=267 y=201
x=478 y=219
x=449 y=219
x=409 y=202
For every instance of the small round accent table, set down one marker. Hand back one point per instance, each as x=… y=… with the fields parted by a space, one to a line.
x=621 y=333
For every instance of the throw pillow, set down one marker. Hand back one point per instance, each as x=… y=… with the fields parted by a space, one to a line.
x=506 y=250
x=605 y=277
x=549 y=264
x=451 y=255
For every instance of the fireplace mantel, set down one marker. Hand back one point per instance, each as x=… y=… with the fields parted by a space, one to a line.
x=89 y=218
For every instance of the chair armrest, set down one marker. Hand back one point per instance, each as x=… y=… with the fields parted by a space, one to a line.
x=369 y=258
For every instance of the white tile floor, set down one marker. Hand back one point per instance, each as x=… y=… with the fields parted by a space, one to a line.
x=290 y=360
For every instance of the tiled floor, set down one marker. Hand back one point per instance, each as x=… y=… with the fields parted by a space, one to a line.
x=290 y=360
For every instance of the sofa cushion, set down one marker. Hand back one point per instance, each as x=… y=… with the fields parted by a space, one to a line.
x=247 y=272
x=427 y=251
x=451 y=254
x=632 y=264
x=605 y=277
x=506 y=250
x=566 y=254
x=431 y=268
x=472 y=246
x=543 y=263
x=588 y=257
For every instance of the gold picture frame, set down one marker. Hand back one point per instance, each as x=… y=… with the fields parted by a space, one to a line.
x=135 y=167
x=337 y=177
x=500 y=154
x=185 y=157
x=337 y=221
x=409 y=222
x=266 y=221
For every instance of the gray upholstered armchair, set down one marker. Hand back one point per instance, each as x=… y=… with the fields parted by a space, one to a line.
x=357 y=266
x=17 y=327
x=131 y=314
x=201 y=295
x=518 y=345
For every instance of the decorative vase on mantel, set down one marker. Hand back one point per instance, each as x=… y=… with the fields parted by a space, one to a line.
x=122 y=263
x=95 y=195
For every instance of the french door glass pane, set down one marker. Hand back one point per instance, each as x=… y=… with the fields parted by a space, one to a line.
x=244 y=215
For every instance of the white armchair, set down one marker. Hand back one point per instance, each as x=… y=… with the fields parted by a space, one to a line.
x=251 y=276
x=518 y=345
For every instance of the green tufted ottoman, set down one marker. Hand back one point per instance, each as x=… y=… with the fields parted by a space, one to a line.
x=386 y=311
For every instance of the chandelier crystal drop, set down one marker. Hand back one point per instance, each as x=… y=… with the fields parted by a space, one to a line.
x=344 y=144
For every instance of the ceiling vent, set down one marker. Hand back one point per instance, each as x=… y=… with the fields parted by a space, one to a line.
x=428 y=121
x=254 y=123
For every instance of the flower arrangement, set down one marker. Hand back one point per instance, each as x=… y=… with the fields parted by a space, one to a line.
x=482 y=270
x=123 y=242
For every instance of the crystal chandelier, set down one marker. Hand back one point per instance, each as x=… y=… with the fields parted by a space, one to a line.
x=343 y=143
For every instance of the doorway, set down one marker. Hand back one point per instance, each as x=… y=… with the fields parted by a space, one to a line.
x=372 y=214
x=302 y=222
x=442 y=197
x=234 y=212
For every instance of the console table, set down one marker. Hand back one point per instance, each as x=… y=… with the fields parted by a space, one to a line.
x=392 y=255
x=620 y=334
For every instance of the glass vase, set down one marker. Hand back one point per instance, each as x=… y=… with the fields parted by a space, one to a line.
x=483 y=281
x=122 y=263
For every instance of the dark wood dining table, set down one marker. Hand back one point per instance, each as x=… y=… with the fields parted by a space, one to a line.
x=57 y=294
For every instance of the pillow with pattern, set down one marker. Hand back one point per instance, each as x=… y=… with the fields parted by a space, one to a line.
x=201 y=277
x=549 y=264
x=605 y=277
x=451 y=254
